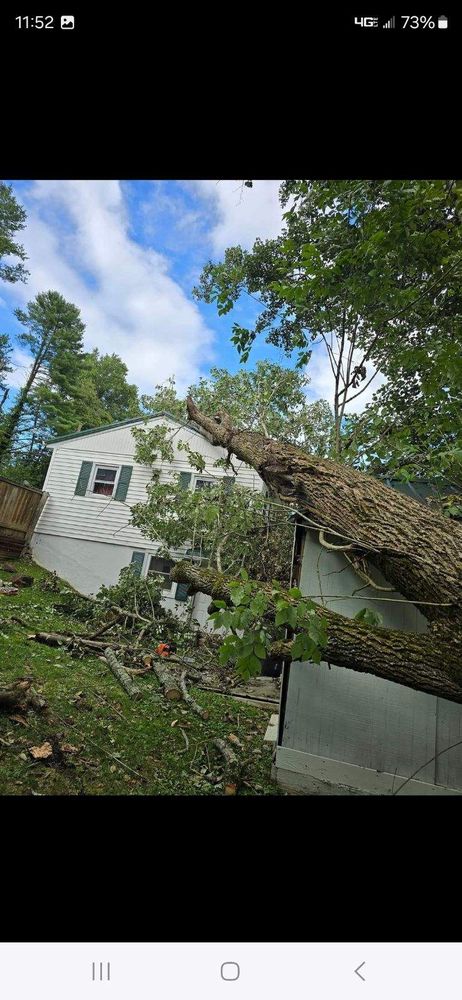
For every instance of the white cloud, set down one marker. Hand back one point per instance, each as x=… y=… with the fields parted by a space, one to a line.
x=21 y=363
x=241 y=214
x=322 y=385
x=77 y=241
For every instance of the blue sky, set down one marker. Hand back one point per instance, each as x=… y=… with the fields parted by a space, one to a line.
x=128 y=254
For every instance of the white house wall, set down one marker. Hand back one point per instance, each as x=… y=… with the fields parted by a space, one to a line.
x=66 y=515
x=87 y=540
x=360 y=720
x=87 y=565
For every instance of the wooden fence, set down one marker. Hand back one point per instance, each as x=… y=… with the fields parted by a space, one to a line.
x=20 y=508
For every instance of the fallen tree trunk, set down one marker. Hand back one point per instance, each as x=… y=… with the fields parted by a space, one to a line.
x=121 y=674
x=62 y=639
x=418 y=550
x=172 y=690
x=426 y=662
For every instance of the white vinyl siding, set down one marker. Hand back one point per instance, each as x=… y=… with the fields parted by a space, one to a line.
x=69 y=516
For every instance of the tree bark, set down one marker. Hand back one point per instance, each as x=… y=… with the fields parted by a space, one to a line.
x=430 y=662
x=202 y=712
x=121 y=674
x=418 y=550
x=172 y=691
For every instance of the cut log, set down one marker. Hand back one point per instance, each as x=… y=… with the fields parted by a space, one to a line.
x=202 y=712
x=172 y=690
x=121 y=674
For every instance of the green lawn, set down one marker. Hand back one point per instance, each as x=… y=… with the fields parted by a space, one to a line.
x=121 y=747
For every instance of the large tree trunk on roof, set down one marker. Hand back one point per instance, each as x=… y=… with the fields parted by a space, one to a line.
x=426 y=662
x=418 y=550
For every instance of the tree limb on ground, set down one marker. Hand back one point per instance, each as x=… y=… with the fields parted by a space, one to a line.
x=193 y=705
x=121 y=674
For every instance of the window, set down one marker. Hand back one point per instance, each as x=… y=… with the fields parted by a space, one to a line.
x=162 y=567
x=104 y=480
x=202 y=484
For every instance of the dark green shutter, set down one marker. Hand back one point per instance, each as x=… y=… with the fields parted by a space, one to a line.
x=181 y=593
x=228 y=482
x=137 y=562
x=124 y=481
x=84 y=479
x=185 y=479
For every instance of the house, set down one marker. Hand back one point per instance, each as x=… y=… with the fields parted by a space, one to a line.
x=342 y=732
x=84 y=531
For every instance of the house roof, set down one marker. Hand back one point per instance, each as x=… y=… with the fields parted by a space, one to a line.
x=123 y=423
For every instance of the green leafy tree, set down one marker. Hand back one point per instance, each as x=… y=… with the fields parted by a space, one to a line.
x=271 y=399
x=104 y=392
x=224 y=526
x=365 y=270
x=12 y=220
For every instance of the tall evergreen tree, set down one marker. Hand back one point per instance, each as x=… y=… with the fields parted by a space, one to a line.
x=53 y=335
x=12 y=219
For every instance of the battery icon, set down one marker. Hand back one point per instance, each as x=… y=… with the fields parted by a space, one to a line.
x=442 y=21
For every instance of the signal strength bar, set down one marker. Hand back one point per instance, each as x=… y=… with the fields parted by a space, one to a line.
x=391 y=23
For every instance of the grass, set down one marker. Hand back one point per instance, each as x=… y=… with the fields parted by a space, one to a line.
x=121 y=747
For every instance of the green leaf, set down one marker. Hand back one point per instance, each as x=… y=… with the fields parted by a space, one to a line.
x=259 y=650
x=369 y=617
x=237 y=594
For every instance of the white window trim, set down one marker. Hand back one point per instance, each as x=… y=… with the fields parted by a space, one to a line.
x=145 y=572
x=91 y=482
x=206 y=478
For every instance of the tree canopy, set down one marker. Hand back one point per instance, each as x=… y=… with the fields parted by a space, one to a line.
x=368 y=271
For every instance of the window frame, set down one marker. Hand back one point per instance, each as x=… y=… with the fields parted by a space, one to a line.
x=91 y=481
x=153 y=555
x=204 y=478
